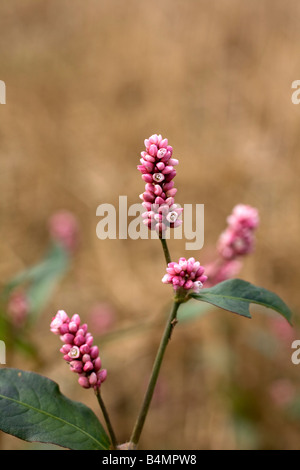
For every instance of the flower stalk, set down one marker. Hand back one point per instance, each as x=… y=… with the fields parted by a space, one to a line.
x=112 y=435
x=154 y=375
x=166 y=250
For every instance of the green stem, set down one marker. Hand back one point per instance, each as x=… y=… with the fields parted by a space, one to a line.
x=166 y=250
x=154 y=375
x=107 y=420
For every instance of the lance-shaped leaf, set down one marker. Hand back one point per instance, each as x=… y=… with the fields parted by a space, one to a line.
x=32 y=408
x=236 y=296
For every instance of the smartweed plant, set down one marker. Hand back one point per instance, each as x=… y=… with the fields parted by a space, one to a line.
x=33 y=408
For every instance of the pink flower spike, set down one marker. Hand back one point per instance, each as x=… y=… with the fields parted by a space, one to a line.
x=78 y=349
x=18 y=308
x=238 y=238
x=64 y=229
x=184 y=274
x=157 y=168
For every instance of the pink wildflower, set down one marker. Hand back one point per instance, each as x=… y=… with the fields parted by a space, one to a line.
x=18 y=308
x=64 y=229
x=157 y=168
x=243 y=217
x=186 y=274
x=78 y=349
x=238 y=239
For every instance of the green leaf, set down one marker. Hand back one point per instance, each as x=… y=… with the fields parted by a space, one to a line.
x=41 y=279
x=32 y=408
x=54 y=263
x=45 y=281
x=236 y=295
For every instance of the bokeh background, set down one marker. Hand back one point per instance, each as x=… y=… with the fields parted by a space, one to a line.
x=86 y=83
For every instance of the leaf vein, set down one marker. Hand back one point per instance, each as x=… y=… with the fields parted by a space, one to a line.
x=49 y=415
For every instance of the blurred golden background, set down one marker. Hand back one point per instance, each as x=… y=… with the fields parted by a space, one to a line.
x=87 y=82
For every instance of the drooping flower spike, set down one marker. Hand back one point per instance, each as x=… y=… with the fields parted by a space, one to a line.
x=238 y=238
x=78 y=349
x=186 y=274
x=236 y=241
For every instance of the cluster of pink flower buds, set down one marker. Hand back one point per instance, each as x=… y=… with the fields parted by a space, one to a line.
x=186 y=274
x=238 y=238
x=158 y=172
x=78 y=349
x=18 y=308
x=64 y=229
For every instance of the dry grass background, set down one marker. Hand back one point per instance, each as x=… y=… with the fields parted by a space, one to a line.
x=86 y=83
